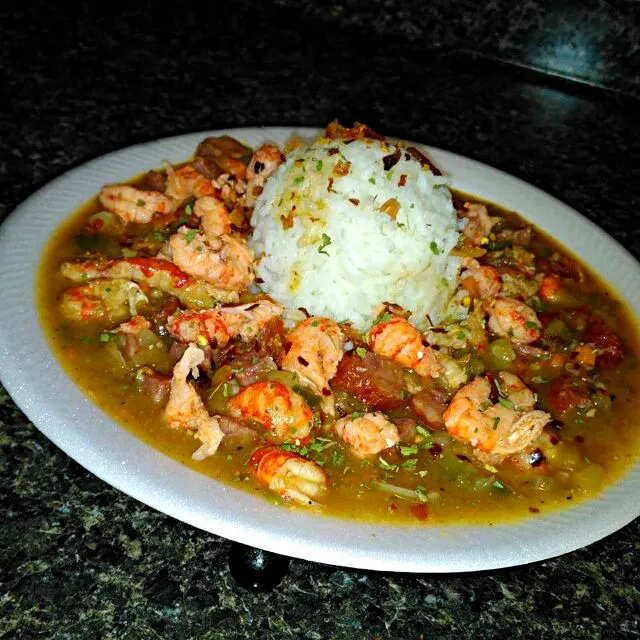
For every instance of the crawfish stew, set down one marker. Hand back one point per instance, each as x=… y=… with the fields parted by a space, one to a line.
x=527 y=403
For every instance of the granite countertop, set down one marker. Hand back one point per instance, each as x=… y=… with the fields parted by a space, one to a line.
x=79 y=559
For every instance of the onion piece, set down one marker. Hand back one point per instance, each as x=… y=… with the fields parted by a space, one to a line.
x=400 y=492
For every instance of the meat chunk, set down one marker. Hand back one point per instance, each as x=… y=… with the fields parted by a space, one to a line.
x=609 y=345
x=155 y=385
x=567 y=393
x=249 y=368
x=429 y=405
x=375 y=381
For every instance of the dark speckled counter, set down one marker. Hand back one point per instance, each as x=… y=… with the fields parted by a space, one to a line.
x=79 y=559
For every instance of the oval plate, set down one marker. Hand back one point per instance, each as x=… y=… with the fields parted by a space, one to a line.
x=66 y=416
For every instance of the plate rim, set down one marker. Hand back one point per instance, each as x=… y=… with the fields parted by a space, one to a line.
x=142 y=475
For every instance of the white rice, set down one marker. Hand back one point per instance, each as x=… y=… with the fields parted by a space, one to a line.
x=322 y=242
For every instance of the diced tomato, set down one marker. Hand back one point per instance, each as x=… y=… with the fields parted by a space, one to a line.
x=374 y=380
x=567 y=393
x=420 y=512
x=609 y=345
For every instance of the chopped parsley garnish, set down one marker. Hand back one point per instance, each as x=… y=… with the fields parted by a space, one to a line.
x=315 y=323
x=188 y=210
x=190 y=235
x=499 y=485
x=325 y=242
x=409 y=464
x=496 y=422
x=158 y=235
x=360 y=352
x=319 y=165
x=105 y=337
x=387 y=465
x=461 y=335
x=532 y=325
x=298 y=179
x=385 y=317
x=434 y=248
x=337 y=458
x=85 y=340
x=506 y=403
x=227 y=390
x=538 y=380
x=409 y=451
x=372 y=180
x=420 y=492
x=140 y=202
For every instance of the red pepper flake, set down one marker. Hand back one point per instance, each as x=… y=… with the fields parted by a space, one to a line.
x=287 y=221
x=534 y=510
x=393 y=507
x=420 y=512
x=554 y=440
x=330 y=187
x=259 y=281
x=303 y=362
x=326 y=392
x=333 y=151
x=287 y=346
x=403 y=180
x=579 y=439
x=253 y=306
x=424 y=161
x=303 y=310
x=354 y=201
x=391 y=160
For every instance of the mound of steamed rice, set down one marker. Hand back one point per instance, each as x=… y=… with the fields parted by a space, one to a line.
x=338 y=231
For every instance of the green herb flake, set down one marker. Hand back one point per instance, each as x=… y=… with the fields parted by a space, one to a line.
x=372 y=180
x=409 y=451
x=315 y=323
x=538 y=380
x=461 y=335
x=423 y=432
x=506 y=403
x=188 y=210
x=496 y=422
x=579 y=421
x=158 y=235
x=227 y=390
x=421 y=493
x=190 y=235
x=140 y=202
x=105 y=337
x=434 y=248
x=387 y=465
x=532 y=325
x=319 y=165
x=499 y=485
x=385 y=317
x=325 y=242
x=337 y=458
x=360 y=352
x=298 y=179
x=410 y=464
x=84 y=276
x=85 y=340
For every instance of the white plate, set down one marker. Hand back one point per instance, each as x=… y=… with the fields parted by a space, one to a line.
x=59 y=409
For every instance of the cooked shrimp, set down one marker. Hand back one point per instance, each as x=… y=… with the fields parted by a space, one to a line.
x=134 y=205
x=289 y=475
x=219 y=326
x=314 y=354
x=153 y=272
x=486 y=280
x=224 y=262
x=185 y=410
x=263 y=163
x=214 y=216
x=479 y=223
x=102 y=299
x=513 y=319
x=497 y=430
x=368 y=434
x=400 y=341
x=186 y=183
x=283 y=412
